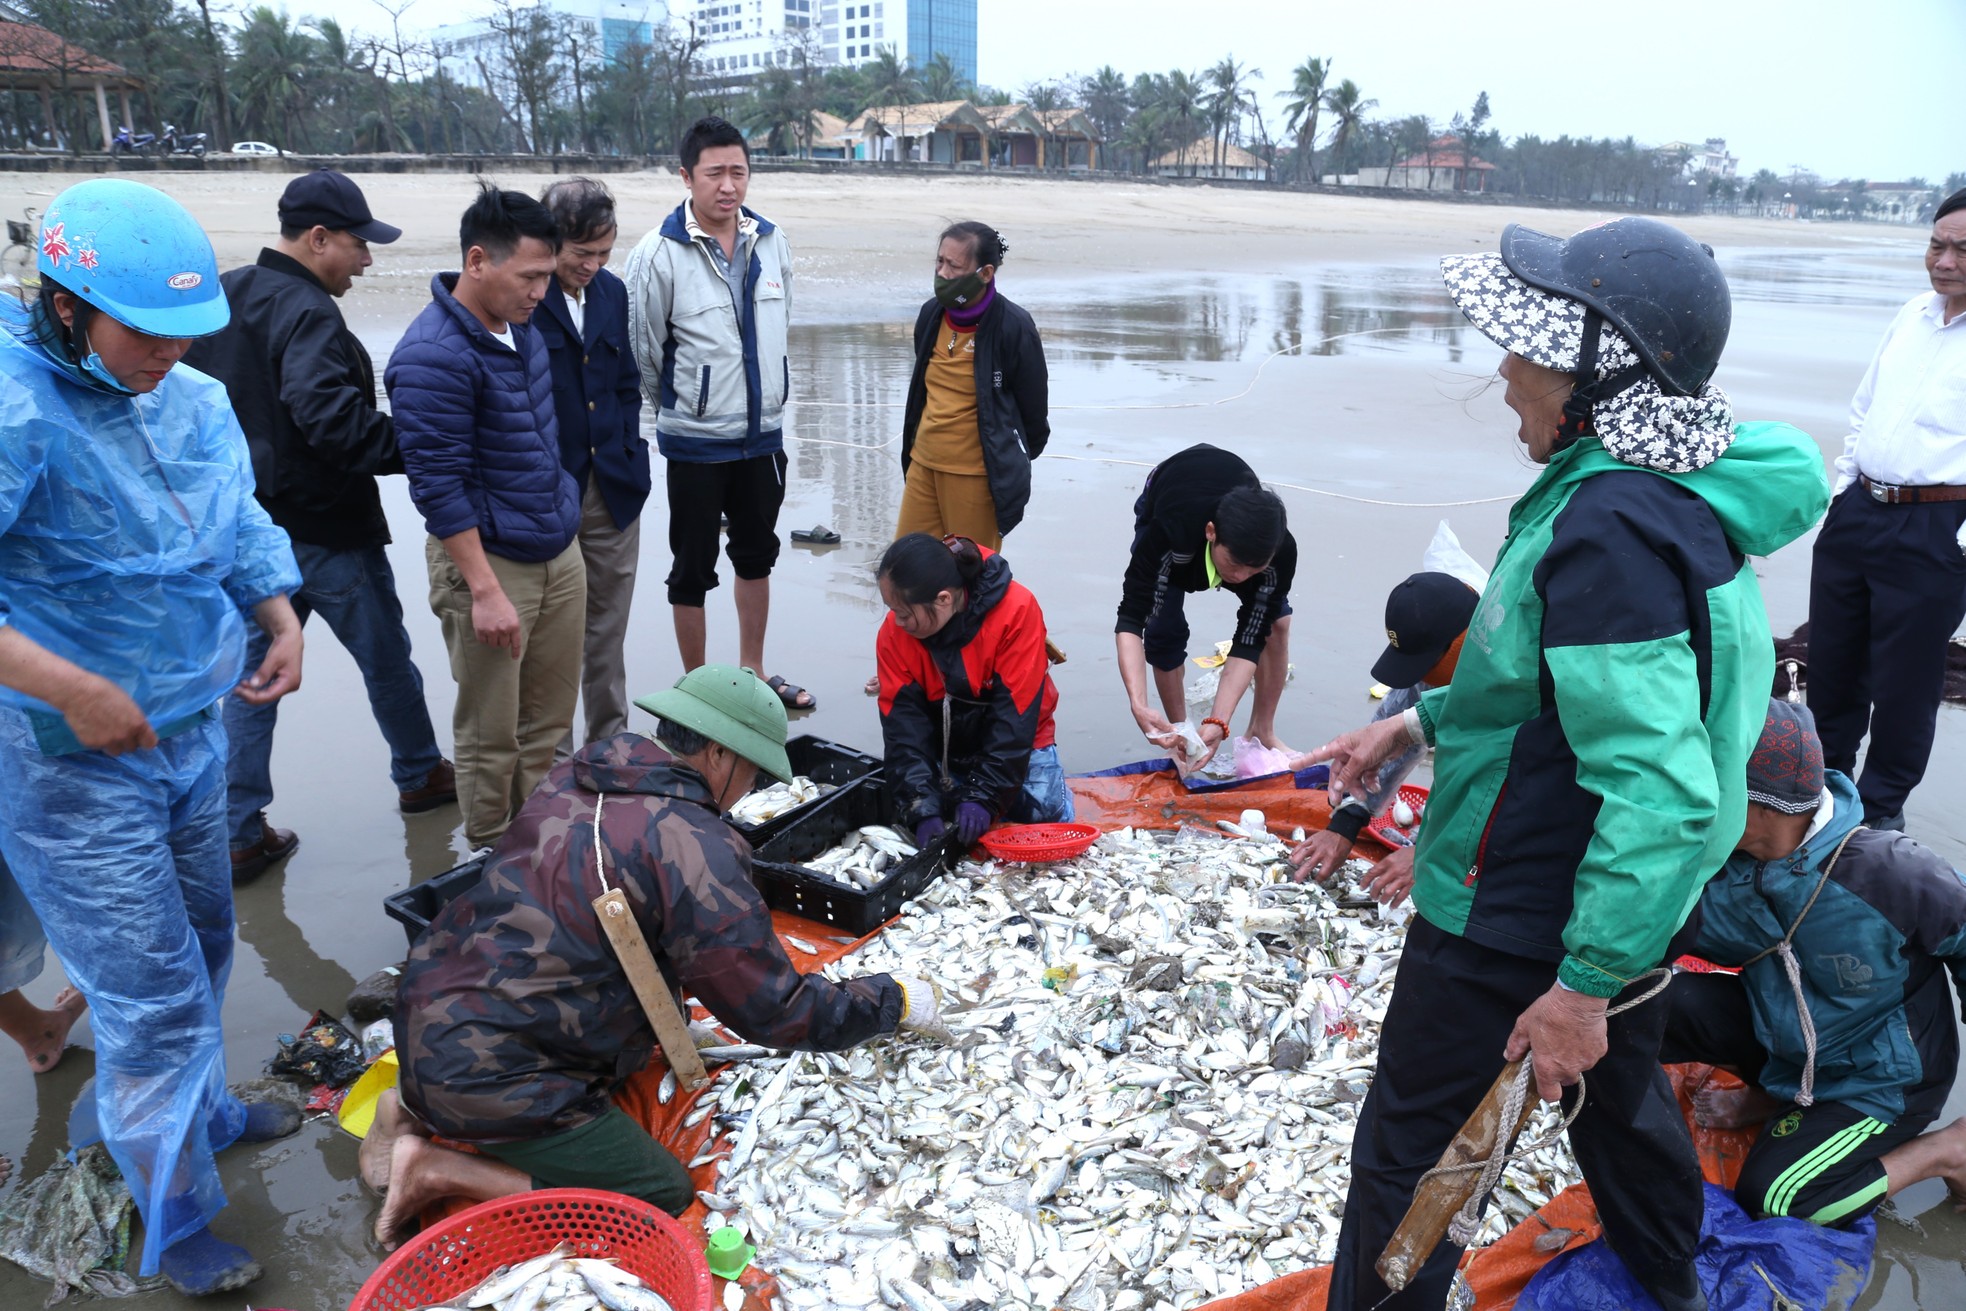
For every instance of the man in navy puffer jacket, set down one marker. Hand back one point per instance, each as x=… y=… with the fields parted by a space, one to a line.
x=473 y=399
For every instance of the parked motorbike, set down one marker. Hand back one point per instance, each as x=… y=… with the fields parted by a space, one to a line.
x=184 y=143
x=126 y=142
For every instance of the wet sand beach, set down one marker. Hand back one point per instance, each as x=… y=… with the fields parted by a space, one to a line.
x=1309 y=333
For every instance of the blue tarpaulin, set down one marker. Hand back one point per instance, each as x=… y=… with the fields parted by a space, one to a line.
x=1745 y=1265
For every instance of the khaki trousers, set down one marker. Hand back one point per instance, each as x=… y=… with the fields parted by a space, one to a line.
x=610 y=555
x=940 y=503
x=509 y=713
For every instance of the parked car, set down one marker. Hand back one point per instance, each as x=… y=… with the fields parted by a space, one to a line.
x=254 y=148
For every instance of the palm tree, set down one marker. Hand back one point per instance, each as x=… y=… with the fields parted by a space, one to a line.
x=1348 y=105
x=1183 y=98
x=1106 y=102
x=1307 y=97
x=778 y=108
x=274 y=70
x=891 y=83
x=1226 y=102
x=941 y=81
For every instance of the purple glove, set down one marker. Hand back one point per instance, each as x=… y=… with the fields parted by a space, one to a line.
x=972 y=822
x=929 y=830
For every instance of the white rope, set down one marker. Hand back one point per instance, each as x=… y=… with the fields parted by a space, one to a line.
x=600 y=861
x=1466 y=1223
x=1785 y=951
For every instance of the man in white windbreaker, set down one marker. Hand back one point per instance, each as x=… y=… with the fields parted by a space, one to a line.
x=709 y=301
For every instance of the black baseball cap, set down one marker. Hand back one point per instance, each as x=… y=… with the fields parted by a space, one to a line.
x=1424 y=615
x=333 y=201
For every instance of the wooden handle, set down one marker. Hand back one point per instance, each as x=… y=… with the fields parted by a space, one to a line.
x=1436 y=1201
x=632 y=950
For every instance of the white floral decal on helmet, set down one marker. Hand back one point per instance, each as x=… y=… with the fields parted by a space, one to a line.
x=1640 y=425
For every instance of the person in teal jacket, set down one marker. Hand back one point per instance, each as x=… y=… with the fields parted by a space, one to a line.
x=1591 y=749
x=1841 y=1019
x=132 y=552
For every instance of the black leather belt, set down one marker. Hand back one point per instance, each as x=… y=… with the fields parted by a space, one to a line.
x=1896 y=494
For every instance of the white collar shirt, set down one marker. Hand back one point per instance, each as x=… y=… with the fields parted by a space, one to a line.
x=1908 y=418
x=577 y=309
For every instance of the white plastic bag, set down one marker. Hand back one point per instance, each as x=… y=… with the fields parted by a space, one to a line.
x=1189 y=751
x=1445 y=555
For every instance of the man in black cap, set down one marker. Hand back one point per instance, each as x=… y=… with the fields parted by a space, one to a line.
x=304 y=390
x=1427 y=619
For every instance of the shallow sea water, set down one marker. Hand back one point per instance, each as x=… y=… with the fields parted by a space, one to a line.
x=1347 y=385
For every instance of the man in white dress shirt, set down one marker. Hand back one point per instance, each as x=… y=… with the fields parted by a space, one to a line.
x=1888 y=587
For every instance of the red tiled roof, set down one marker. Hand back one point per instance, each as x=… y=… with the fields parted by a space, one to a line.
x=26 y=48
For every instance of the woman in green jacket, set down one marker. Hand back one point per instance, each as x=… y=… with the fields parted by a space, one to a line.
x=1591 y=752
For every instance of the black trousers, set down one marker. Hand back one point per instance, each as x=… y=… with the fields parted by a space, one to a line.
x=1454 y=1003
x=1887 y=589
x=1822 y=1163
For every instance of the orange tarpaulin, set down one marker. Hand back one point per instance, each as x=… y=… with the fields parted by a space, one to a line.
x=1499 y=1272
x=640 y=1098
x=1161 y=800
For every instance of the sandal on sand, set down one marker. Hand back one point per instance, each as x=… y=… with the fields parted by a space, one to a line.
x=790 y=693
x=817 y=535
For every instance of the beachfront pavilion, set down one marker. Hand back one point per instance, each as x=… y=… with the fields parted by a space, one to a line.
x=988 y=136
x=1197 y=160
x=36 y=62
x=938 y=132
x=1042 y=138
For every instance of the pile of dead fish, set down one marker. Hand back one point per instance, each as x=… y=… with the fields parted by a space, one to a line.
x=559 y=1281
x=864 y=859
x=1146 y=1101
x=769 y=803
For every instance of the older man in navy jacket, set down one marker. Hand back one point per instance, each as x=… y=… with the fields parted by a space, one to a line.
x=597 y=396
x=473 y=399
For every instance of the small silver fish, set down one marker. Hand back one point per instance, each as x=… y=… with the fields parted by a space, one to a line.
x=503 y=1283
x=736 y=1052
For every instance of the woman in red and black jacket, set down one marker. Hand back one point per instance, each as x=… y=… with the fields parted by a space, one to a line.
x=966 y=692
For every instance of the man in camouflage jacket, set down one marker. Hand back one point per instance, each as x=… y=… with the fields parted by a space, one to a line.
x=515 y=1022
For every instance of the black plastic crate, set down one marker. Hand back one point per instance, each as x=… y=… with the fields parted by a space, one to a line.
x=789 y=886
x=414 y=907
x=822 y=762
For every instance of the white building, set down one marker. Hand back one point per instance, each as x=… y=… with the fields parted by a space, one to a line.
x=741 y=37
x=851 y=34
x=609 y=26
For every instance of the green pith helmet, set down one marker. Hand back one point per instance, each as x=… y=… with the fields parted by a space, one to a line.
x=733 y=708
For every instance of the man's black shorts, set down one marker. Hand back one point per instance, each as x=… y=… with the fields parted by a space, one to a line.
x=749 y=493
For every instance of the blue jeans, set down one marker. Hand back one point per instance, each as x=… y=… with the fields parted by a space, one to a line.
x=355 y=592
x=1045 y=798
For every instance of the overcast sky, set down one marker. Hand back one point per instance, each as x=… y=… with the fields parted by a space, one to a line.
x=1848 y=88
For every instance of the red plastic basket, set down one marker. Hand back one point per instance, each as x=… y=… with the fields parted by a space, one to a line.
x=1382 y=826
x=461 y=1253
x=1035 y=842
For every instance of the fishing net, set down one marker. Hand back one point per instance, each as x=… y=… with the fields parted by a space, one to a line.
x=71 y=1227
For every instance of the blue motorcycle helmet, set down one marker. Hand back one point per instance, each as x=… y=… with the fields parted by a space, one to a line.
x=135 y=254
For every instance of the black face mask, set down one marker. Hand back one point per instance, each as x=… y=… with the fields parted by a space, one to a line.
x=955 y=293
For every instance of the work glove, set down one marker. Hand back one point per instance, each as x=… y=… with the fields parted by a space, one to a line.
x=929 y=830
x=972 y=822
x=921 y=1002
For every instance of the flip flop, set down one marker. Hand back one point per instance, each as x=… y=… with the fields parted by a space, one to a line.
x=817 y=535
x=790 y=693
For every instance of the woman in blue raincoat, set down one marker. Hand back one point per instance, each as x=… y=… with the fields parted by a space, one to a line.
x=131 y=554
